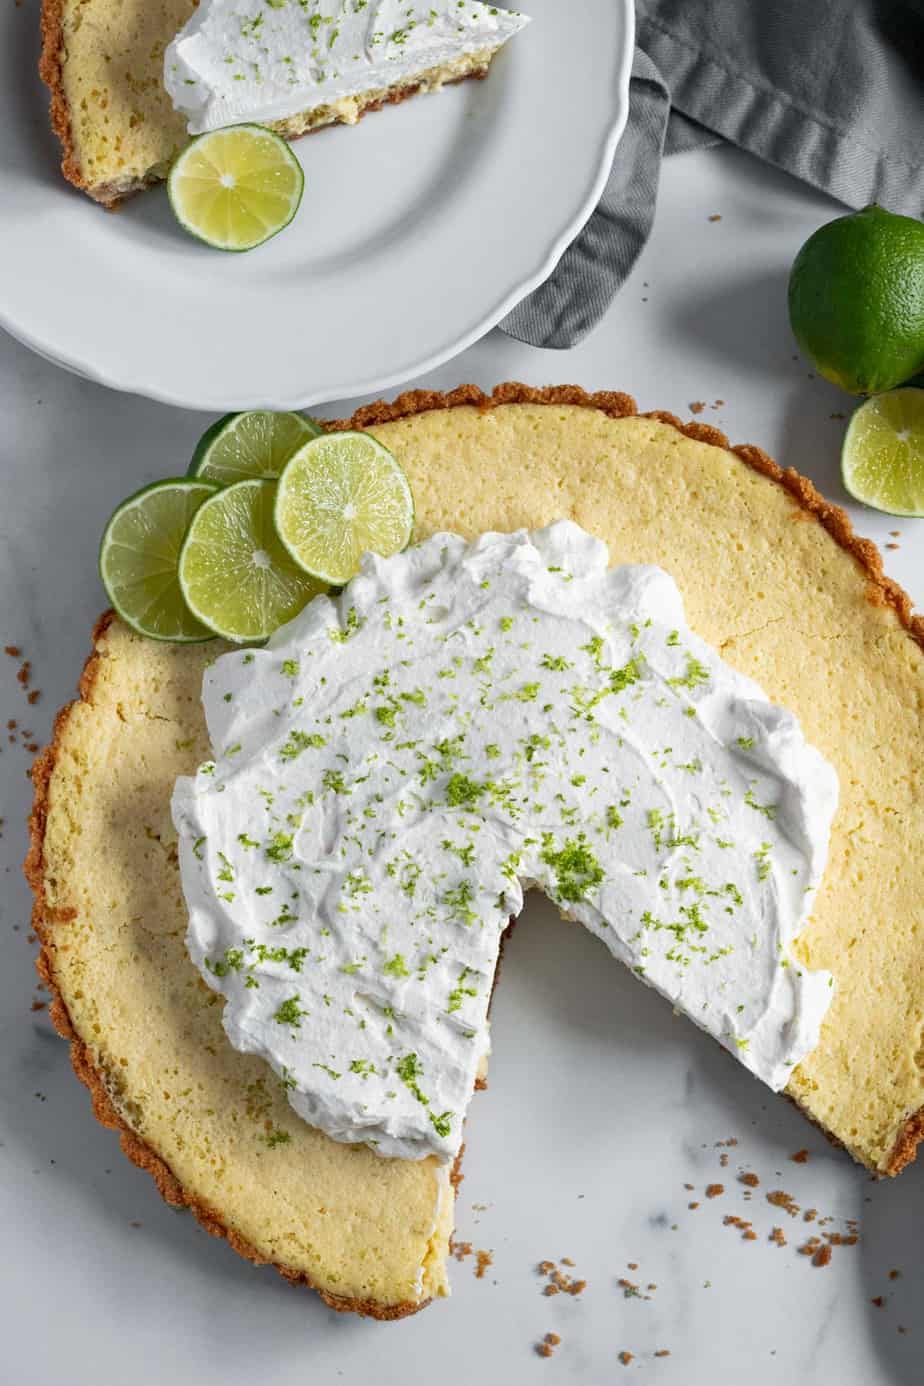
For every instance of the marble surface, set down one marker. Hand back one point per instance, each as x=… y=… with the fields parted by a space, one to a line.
x=100 y=1282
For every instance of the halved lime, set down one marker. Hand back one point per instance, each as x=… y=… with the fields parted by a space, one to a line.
x=237 y=187
x=139 y=554
x=341 y=496
x=882 y=462
x=256 y=444
x=235 y=575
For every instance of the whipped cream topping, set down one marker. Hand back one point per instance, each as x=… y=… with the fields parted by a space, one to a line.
x=464 y=721
x=266 y=60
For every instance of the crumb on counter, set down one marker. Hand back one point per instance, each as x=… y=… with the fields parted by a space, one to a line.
x=548 y=1345
x=780 y=1199
x=744 y=1227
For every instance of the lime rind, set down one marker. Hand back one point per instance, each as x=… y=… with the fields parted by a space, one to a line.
x=341 y=496
x=882 y=461
x=257 y=443
x=139 y=557
x=235 y=575
x=248 y=212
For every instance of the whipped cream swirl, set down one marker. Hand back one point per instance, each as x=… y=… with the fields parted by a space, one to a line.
x=268 y=60
x=462 y=722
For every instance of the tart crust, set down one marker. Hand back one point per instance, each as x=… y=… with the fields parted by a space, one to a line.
x=880 y=591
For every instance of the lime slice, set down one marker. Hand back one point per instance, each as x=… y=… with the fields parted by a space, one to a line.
x=882 y=462
x=139 y=555
x=237 y=187
x=258 y=443
x=235 y=575
x=341 y=496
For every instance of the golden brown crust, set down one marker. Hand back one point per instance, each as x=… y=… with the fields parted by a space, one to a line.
x=881 y=591
x=51 y=73
x=906 y=1146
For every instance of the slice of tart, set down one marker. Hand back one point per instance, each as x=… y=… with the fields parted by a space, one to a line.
x=131 y=79
x=770 y=575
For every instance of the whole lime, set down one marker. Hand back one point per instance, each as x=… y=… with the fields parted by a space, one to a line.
x=856 y=300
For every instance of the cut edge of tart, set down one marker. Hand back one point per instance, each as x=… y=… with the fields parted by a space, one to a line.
x=897 y=631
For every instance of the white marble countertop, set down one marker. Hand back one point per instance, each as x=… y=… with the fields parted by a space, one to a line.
x=101 y=1283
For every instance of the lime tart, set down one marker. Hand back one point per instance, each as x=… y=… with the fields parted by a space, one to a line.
x=170 y=910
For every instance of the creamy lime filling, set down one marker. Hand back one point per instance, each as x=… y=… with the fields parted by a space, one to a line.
x=266 y=60
x=464 y=721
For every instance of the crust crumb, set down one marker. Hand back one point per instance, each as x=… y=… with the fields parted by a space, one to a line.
x=780 y=1199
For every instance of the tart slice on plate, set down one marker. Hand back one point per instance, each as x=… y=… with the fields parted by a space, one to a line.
x=130 y=80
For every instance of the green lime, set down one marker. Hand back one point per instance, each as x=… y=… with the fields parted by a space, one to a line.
x=341 y=496
x=235 y=188
x=856 y=300
x=255 y=444
x=235 y=575
x=139 y=555
x=882 y=462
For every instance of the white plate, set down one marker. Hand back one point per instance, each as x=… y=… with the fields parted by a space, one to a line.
x=419 y=230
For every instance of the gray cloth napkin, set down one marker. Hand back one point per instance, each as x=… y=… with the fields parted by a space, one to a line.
x=832 y=91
